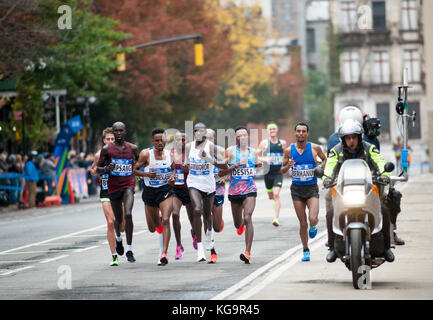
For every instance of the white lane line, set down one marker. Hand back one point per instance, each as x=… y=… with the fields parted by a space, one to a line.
x=54 y=259
x=31 y=252
x=53 y=239
x=85 y=249
x=247 y=280
x=15 y=271
x=17 y=261
x=276 y=273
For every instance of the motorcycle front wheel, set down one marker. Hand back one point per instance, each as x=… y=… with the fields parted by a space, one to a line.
x=356 y=257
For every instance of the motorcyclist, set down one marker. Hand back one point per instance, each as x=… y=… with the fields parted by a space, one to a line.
x=353 y=147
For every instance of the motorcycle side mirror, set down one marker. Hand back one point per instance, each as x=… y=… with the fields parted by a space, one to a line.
x=389 y=167
x=319 y=172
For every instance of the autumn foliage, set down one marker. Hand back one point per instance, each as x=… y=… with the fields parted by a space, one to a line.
x=163 y=80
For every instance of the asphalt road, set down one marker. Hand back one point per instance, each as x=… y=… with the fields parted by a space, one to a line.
x=62 y=253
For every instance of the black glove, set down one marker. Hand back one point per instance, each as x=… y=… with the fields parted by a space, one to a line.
x=383 y=179
x=328 y=182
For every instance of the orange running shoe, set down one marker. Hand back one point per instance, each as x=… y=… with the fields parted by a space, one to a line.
x=213 y=258
x=159 y=229
x=163 y=259
x=241 y=230
x=245 y=257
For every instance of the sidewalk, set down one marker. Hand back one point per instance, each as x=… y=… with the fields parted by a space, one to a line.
x=410 y=276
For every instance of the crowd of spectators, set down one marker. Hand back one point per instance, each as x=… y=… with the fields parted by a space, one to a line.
x=35 y=174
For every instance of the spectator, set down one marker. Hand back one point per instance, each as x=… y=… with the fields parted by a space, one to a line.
x=18 y=168
x=49 y=171
x=32 y=177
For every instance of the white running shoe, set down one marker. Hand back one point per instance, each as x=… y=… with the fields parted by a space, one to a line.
x=210 y=240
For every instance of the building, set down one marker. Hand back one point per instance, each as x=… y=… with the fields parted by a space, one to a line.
x=377 y=41
x=428 y=57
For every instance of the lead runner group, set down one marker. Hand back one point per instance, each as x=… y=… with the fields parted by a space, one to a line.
x=194 y=174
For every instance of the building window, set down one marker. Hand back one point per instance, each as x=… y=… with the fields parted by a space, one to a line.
x=382 y=111
x=379 y=15
x=311 y=40
x=409 y=15
x=350 y=67
x=381 y=72
x=414 y=132
x=348 y=9
x=412 y=62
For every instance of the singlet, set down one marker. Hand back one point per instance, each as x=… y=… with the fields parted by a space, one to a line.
x=276 y=153
x=181 y=176
x=122 y=176
x=201 y=176
x=242 y=179
x=220 y=189
x=161 y=167
x=303 y=170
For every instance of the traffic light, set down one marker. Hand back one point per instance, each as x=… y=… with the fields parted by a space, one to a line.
x=121 y=64
x=198 y=50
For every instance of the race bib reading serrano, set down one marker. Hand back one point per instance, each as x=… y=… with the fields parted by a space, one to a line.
x=303 y=172
x=123 y=167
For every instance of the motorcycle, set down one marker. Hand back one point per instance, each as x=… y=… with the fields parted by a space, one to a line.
x=357 y=220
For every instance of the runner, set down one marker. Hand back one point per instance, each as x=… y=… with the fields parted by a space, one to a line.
x=120 y=157
x=108 y=137
x=273 y=149
x=243 y=190
x=301 y=157
x=157 y=190
x=199 y=156
x=181 y=194
x=220 y=187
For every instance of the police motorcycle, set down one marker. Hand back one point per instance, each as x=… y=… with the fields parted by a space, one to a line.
x=357 y=221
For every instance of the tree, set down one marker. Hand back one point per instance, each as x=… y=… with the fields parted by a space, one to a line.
x=65 y=59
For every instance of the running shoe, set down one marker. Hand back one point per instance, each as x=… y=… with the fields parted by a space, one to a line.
x=163 y=259
x=201 y=257
x=159 y=229
x=194 y=240
x=213 y=258
x=306 y=256
x=179 y=252
x=245 y=257
x=241 y=230
x=210 y=240
x=119 y=248
x=130 y=256
x=312 y=232
x=114 y=261
x=275 y=222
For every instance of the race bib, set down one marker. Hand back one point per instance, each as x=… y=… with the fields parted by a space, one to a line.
x=104 y=181
x=161 y=178
x=303 y=172
x=123 y=167
x=277 y=158
x=246 y=172
x=199 y=168
x=180 y=177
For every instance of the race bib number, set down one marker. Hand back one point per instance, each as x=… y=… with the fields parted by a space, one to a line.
x=104 y=181
x=162 y=176
x=180 y=177
x=123 y=167
x=303 y=172
x=244 y=173
x=277 y=159
x=199 y=168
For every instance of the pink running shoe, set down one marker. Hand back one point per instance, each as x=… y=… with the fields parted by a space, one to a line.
x=179 y=252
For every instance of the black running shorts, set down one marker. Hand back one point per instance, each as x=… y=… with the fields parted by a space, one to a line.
x=304 y=192
x=152 y=197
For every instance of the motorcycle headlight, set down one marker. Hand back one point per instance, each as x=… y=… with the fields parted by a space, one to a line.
x=354 y=197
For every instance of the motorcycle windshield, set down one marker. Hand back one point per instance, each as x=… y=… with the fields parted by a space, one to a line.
x=354 y=172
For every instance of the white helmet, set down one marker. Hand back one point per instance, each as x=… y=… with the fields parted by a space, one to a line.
x=350 y=126
x=350 y=112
